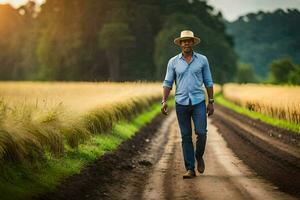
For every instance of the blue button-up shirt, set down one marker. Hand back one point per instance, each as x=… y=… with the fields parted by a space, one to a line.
x=189 y=78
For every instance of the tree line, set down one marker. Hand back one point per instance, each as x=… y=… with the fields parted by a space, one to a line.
x=262 y=37
x=116 y=40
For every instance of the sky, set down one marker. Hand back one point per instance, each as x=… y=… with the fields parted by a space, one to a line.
x=17 y=3
x=231 y=9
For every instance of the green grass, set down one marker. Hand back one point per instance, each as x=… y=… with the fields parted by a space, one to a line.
x=256 y=115
x=21 y=182
x=28 y=133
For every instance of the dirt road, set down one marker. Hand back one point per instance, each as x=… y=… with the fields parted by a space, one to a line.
x=150 y=167
x=226 y=177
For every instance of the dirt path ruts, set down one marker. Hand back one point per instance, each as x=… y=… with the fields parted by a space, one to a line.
x=226 y=176
x=266 y=156
x=119 y=174
x=150 y=166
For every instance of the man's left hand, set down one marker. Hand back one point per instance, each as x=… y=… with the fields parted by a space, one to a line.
x=210 y=109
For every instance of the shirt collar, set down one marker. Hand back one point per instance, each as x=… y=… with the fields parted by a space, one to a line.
x=194 y=55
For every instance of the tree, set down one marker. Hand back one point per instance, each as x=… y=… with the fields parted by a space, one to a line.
x=11 y=23
x=294 y=76
x=145 y=24
x=284 y=71
x=29 y=36
x=262 y=37
x=113 y=38
x=245 y=73
x=101 y=40
x=59 y=45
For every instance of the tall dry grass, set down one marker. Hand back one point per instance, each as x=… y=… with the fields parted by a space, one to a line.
x=217 y=88
x=282 y=102
x=38 y=118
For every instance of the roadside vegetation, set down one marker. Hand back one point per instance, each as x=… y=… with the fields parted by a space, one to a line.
x=42 y=143
x=273 y=104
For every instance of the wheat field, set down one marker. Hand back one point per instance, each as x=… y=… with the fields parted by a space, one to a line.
x=42 y=117
x=39 y=117
x=78 y=97
x=282 y=102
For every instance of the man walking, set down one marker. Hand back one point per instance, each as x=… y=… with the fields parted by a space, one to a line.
x=190 y=70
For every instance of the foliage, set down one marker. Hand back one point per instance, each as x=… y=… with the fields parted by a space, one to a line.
x=260 y=98
x=245 y=74
x=28 y=181
x=114 y=37
x=283 y=71
x=262 y=37
x=257 y=115
x=30 y=131
x=69 y=40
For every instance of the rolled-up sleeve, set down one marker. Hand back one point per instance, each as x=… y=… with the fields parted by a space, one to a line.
x=207 y=78
x=170 y=75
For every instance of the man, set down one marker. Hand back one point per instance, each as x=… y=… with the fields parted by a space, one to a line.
x=190 y=70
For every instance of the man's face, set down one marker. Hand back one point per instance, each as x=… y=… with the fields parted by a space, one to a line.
x=186 y=45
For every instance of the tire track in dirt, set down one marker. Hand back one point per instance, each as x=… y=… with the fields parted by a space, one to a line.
x=150 y=166
x=226 y=176
x=265 y=156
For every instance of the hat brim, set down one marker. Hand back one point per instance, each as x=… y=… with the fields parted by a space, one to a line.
x=196 y=40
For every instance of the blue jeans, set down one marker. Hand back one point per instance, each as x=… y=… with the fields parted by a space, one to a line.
x=184 y=115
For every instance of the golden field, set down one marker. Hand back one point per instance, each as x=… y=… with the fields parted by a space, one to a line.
x=78 y=97
x=217 y=88
x=282 y=102
x=39 y=117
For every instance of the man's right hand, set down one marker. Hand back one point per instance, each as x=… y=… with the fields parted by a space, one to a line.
x=164 y=108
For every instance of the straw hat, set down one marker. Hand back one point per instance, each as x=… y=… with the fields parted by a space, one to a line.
x=186 y=34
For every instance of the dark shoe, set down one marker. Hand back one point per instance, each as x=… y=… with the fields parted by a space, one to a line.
x=200 y=165
x=200 y=148
x=189 y=174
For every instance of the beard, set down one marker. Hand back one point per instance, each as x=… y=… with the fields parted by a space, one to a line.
x=187 y=50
